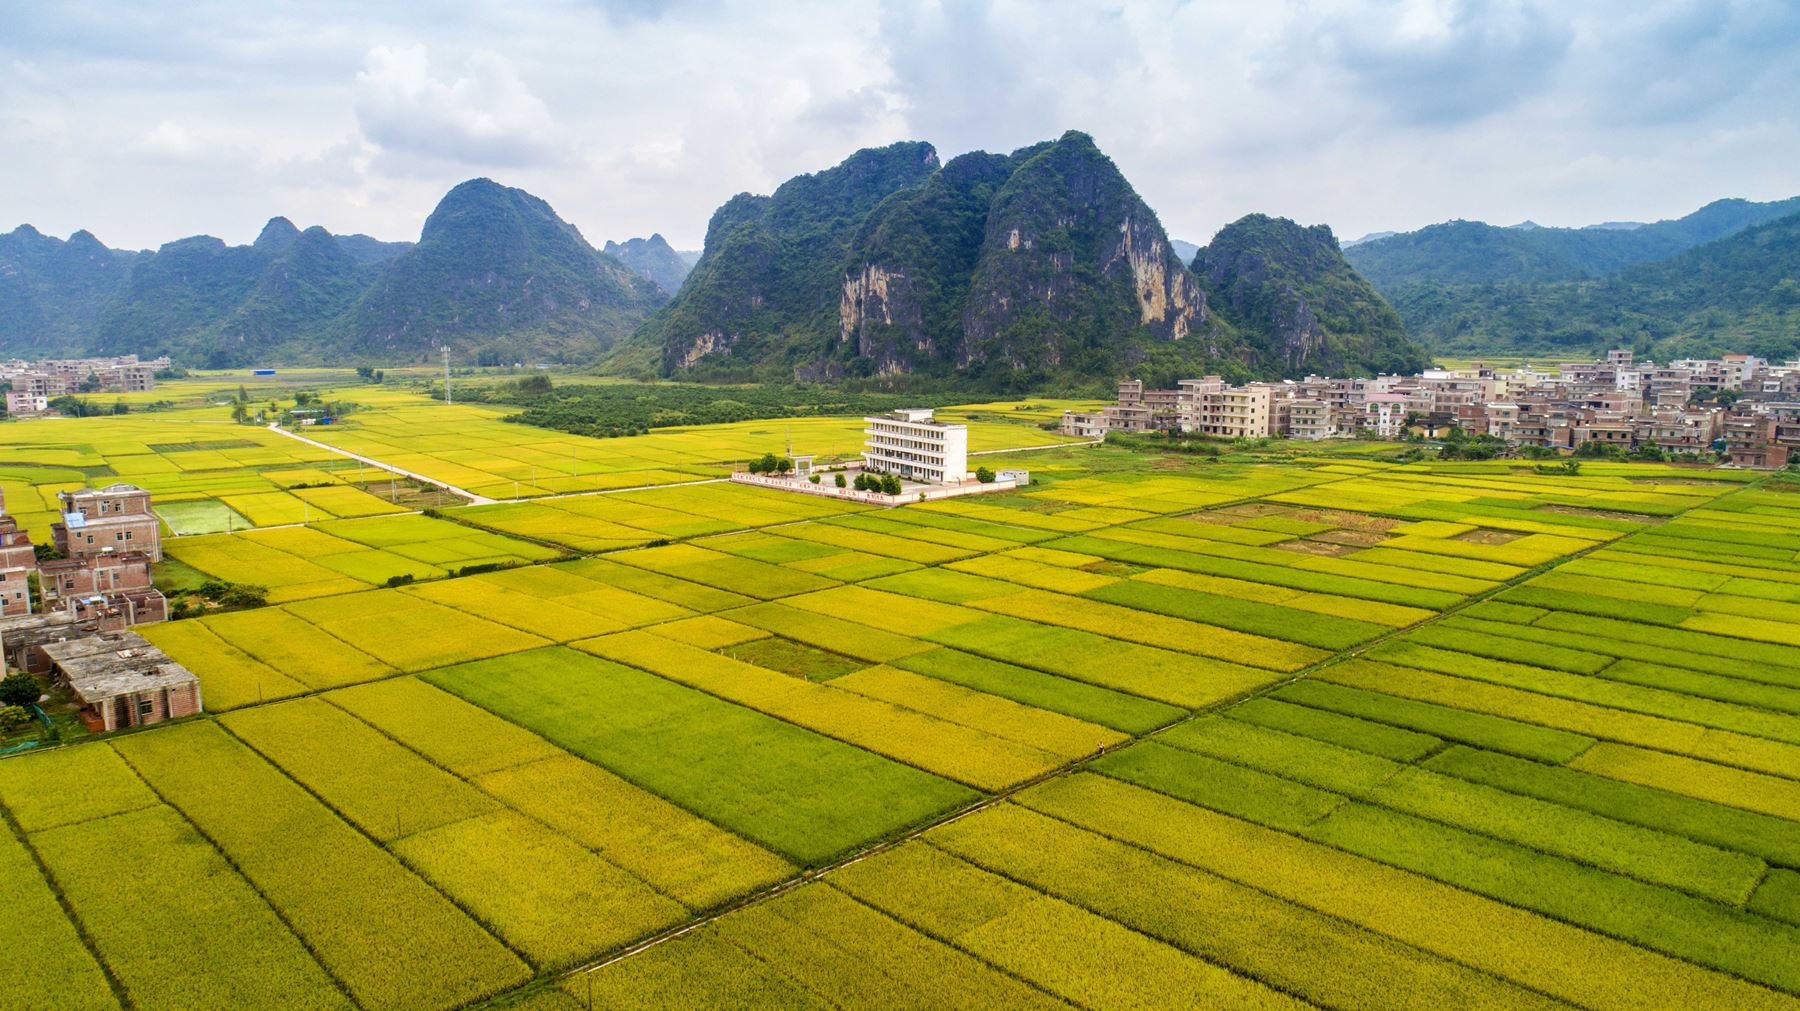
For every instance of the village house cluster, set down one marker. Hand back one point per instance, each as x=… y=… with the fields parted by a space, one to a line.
x=34 y=384
x=69 y=618
x=1739 y=404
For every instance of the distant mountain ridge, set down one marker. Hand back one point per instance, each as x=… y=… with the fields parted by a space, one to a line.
x=496 y=274
x=54 y=291
x=654 y=259
x=1472 y=252
x=1467 y=287
x=1740 y=293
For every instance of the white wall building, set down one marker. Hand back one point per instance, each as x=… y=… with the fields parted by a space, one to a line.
x=909 y=444
x=1385 y=414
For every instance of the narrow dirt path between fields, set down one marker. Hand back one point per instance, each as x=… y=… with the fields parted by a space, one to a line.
x=390 y=468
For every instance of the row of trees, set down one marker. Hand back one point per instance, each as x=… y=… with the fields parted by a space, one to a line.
x=771 y=464
x=610 y=410
x=885 y=484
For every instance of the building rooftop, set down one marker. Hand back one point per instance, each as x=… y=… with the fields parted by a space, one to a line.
x=102 y=666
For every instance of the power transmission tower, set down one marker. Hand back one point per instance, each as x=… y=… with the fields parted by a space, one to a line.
x=447 y=399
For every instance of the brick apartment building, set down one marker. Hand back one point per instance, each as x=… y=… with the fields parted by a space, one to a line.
x=17 y=562
x=113 y=519
x=110 y=540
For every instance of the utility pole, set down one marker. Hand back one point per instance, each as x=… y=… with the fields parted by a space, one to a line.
x=447 y=400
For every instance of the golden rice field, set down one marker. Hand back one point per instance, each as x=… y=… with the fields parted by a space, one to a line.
x=468 y=446
x=1331 y=731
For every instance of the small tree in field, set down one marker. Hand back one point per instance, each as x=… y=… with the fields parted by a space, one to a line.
x=12 y=718
x=984 y=475
x=245 y=595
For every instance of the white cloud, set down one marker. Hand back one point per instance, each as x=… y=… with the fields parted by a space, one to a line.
x=169 y=140
x=633 y=116
x=485 y=116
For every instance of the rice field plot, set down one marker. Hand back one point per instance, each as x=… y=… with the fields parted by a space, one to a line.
x=920 y=607
x=345 y=555
x=373 y=782
x=1118 y=710
x=394 y=940
x=1386 y=901
x=1149 y=892
x=1330 y=575
x=169 y=899
x=51 y=789
x=286 y=643
x=626 y=519
x=801 y=794
x=1056 y=945
x=717 y=569
x=229 y=677
x=1152 y=629
x=812 y=947
x=452 y=544
x=201 y=516
x=548 y=896
x=954 y=750
x=536 y=615
x=45 y=962
x=682 y=855
x=416 y=634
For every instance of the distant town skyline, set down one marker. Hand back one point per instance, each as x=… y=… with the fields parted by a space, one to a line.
x=146 y=124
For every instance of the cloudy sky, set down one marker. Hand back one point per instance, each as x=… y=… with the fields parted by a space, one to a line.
x=147 y=122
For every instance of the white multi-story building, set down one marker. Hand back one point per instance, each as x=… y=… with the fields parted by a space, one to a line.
x=909 y=444
x=1310 y=419
x=1385 y=414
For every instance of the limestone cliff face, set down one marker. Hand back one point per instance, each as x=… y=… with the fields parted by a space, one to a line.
x=703 y=345
x=1290 y=292
x=879 y=318
x=1073 y=263
x=1170 y=300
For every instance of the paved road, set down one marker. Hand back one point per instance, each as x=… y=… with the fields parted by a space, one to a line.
x=1032 y=449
